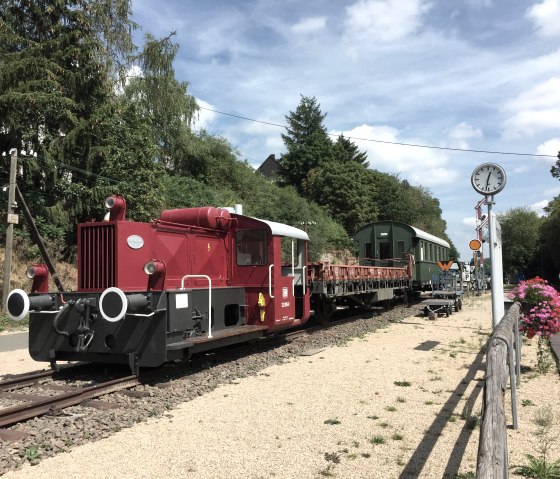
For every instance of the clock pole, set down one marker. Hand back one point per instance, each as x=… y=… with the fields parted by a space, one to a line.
x=496 y=267
x=489 y=179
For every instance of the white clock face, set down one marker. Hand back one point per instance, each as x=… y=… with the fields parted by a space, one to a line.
x=488 y=179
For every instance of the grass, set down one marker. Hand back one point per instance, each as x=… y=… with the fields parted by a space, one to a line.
x=375 y=440
x=391 y=408
x=397 y=437
x=7 y=324
x=403 y=384
x=32 y=454
x=332 y=422
x=332 y=457
x=373 y=417
x=401 y=399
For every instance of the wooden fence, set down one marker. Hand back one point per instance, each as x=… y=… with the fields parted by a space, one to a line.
x=501 y=362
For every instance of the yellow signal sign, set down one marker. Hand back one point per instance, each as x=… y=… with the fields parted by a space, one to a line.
x=445 y=266
x=475 y=244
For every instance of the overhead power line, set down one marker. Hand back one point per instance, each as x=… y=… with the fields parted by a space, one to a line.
x=413 y=145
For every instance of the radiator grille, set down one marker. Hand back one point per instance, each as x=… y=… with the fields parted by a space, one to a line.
x=97 y=261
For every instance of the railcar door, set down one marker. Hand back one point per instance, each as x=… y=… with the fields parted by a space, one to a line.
x=288 y=290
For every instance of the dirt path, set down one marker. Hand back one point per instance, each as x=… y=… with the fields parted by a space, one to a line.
x=392 y=404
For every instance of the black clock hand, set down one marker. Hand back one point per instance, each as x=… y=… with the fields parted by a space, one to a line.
x=488 y=180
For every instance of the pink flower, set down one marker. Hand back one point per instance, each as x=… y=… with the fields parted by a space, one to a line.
x=543 y=318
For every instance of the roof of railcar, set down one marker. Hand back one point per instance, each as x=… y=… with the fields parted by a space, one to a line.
x=280 y=229
x=429 y=237
x=418 y=233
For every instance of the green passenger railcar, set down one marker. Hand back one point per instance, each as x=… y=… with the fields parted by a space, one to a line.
x=388 y=243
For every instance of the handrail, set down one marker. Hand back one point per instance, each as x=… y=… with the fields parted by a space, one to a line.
x=304 y=278
x=209 y=297
x=270 y=281
x=492 y=461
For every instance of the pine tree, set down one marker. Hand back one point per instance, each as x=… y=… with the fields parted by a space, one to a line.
x=58 y=69
x=307 y=142
x=346 y=150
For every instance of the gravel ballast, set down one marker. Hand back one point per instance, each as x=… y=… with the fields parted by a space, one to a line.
x=399 y=401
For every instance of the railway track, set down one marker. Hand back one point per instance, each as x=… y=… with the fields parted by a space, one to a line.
x=34 y=404
x=49 y=398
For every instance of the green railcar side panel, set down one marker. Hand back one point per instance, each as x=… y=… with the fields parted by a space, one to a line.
x=385 y=243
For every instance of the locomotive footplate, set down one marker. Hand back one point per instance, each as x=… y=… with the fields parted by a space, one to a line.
x=433 y=307
x=226 y=337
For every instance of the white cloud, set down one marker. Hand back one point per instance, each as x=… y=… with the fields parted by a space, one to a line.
x=424 y=166
x=309 y=25
x=550 y=147
x=460 y=133
x=538 y=207
x=383 y=20
x=204 y=117
x=546 y=17
x=469 y=221
x=542 y=96
x=534 y=110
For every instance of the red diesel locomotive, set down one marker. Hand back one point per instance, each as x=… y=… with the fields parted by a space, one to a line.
x=193 y=280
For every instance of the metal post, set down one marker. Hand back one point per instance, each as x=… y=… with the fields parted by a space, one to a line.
x=10 y=231
x=496 y=279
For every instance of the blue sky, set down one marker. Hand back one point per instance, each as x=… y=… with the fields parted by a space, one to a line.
x=469 y=74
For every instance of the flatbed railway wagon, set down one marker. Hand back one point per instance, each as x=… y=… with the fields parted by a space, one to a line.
x=192 y=280
x=390 y=243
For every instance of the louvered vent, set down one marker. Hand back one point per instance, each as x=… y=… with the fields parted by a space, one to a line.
x=97 y=261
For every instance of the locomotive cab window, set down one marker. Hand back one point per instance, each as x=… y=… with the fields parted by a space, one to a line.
x=293 y=259
x=291 y=252
x=251 y=247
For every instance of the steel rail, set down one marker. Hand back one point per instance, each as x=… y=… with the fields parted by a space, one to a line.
x=12 y=415
x=24 y=380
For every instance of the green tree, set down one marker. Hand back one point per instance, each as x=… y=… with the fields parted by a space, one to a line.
x=163 y=99
x=520 y=241
x=307 y=143
x=346 y=191
x=345 y=151
x=550 y=232
x=55 y=80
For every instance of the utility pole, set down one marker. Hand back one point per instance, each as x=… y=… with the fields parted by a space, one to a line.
x=11 y=219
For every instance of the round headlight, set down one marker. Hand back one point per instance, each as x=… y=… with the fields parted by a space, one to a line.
x=154 y=267
x=150 y=268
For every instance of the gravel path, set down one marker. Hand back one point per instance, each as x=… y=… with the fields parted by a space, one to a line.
x=392 y=403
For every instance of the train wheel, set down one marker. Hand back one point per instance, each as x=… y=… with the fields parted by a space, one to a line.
x=448 y=311
x=460 y=303
x=456 y=306
x=432 y=316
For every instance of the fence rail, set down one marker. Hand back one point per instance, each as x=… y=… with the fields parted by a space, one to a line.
x=492 y=460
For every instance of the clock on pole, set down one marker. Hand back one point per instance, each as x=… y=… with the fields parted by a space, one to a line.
x=488 y=179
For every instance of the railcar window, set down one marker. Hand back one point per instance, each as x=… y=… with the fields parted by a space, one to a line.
x=400 y=249
x=251 y=247
x=287 y=252
x=368 y=253
x=384 y=250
